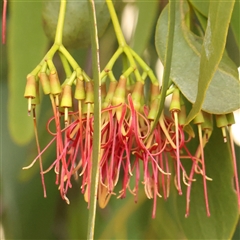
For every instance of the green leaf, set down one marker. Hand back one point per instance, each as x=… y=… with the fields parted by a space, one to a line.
x=147 y=14
x=26 y=43
x=221 y=195
x=223 y=92
x=167 y=60
x=212 y=49
x=123 y=219
x=121 y=214
x=26 y=214
x=201 y=6
x=235 y=23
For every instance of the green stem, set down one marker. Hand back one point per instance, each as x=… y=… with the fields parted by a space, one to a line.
x=97 y=121
x=67 y=69
x=145 y=67
x=167 y=61
x=60 y=24
x=116 y=25
x=131 y=60
x=112 y=61
x=68 y=56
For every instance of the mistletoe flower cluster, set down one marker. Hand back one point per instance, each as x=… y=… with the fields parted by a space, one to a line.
x=136 y=148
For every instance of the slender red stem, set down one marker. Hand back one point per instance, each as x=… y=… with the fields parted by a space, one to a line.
x=234 y=166
x=4 y=22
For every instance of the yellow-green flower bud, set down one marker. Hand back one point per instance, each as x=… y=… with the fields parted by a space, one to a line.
x=31 y=86
x=55 y=83
x=89 y=93
x=79 y=90
x=175 y=103
x=221 y=120
x=44 y=79
x=230 y=118
x=199 y=118
x=137 y=95
x=66 y=100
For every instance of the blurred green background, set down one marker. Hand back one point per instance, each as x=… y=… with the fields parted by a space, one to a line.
x=25 y=214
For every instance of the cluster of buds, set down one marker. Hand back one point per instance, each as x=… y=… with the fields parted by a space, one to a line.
x=135 y=148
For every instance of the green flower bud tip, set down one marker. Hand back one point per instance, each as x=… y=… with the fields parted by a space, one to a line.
x=66 y=100
x=154 y=102
x=79 y=90
x=36 y=100
x=222 y=122
x=56 y=98
x=44 y=79
x=175 y=103
x=137 y=95
x=230 y=118
x=30 y=91
x=207 y=125
x=208 y=121
x=119 y=96
x=87 y=108
x=120 y=92
x=199 y=118
x=154 y=92
x=153 y=110
x=55 y=83
x=103 y=91
x=89 y=93
x=111 y=90
x=182 y=115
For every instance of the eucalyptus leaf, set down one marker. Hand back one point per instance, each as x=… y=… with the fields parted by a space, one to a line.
x=201 y=6
x=26 y=43
x=235 y=23
x=223 y=93
x=212 y=49
x=221 y=195
x=147 y=15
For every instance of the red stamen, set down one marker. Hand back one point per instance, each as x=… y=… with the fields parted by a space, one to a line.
x=234 y=166
x=39 y=152
x=4 y=22
x=203 y=170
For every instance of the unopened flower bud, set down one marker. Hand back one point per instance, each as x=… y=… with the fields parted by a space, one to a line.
x=44 y=79
x=30 y=89
x=55 y=83
x=175 y=103
x=66 y=100
x=79 y=90
x=199 y=118
x=230 y=118
x=137 y=95
x=89 y=93
x=222 y=122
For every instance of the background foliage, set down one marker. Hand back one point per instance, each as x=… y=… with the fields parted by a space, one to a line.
x=26 y=214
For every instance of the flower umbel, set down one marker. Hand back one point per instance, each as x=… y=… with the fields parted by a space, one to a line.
x=136 y=147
